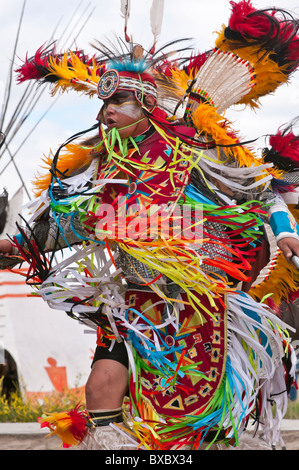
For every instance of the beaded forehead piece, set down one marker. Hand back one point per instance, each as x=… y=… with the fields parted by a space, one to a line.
x=140 y=83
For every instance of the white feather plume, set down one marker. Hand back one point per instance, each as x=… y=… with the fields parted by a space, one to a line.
x=156 y=17
x=225 y=79
x=125 y=9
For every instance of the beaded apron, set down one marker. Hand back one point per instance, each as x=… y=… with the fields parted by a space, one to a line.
x=194 y=361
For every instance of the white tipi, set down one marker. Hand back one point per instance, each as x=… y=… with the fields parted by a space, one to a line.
x=47 y=350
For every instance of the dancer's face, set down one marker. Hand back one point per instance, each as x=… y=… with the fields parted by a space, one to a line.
x=123 y=112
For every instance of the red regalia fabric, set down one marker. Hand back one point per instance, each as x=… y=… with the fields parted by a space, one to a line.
x=199 y=344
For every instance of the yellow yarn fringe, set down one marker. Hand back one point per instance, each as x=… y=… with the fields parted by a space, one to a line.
x=281 y=281
x=146 y=433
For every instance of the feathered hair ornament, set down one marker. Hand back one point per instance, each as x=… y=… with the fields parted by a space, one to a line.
x=255 y=53
x=221 y=81
x=125 y=10
x=156 y=19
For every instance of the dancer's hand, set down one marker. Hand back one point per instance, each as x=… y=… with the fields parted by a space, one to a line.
x=5 y=247
x=289 y=247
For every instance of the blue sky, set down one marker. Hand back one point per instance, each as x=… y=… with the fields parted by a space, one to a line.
x=71 y=113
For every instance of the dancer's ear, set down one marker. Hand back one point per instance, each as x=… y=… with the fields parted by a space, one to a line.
x=150 y=101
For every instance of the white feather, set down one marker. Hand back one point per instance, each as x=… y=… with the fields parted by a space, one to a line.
x=125 y=9
x=225 y=79
x=156 y=17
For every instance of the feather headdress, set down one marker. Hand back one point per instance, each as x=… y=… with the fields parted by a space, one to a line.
x=253 y=55
x=222 y=80
x=258 y=51
x=75 y=70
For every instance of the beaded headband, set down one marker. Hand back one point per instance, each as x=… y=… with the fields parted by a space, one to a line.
x=113 y=80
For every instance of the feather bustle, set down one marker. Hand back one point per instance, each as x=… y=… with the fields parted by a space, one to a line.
x=268 y=39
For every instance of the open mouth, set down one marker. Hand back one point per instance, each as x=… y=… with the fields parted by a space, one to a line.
x=110 y=122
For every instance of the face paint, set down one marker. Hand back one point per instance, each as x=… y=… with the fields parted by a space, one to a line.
x=129 y=108
x=123 y=112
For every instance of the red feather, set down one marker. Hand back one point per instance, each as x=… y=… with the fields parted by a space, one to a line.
x=70 y=426
x=284 y=148
x=78 y=426
x=34 y=68
x=196 y=62
x=272 y=30
x=240 y=21
x=286 y=145
x=38 y=66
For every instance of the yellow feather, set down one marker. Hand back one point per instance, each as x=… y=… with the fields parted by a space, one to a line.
x=60 y=424
x=70 y=68
x=73 y=159
x=215 y=126
x=180 y=78
x=63 y=86
x=61 y=68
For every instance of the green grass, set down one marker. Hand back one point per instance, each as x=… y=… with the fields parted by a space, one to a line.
x=22 y=410
x=293 y=410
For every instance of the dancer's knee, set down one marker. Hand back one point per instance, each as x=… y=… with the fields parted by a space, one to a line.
x=106 y=385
